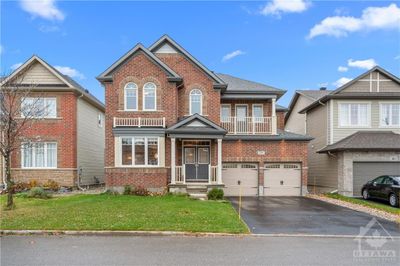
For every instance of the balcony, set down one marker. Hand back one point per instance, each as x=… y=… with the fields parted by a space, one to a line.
x=250 y=125
x=139 y=122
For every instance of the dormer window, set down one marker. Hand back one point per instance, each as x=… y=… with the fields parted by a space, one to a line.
x=196 y=102
x=149 y=97
x=131 y=97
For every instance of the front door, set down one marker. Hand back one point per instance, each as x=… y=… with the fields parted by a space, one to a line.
x=197 y=160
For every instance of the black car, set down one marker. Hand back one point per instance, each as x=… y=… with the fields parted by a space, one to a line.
x=386 y=187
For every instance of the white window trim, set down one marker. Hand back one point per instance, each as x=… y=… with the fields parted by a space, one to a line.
x=242 y=104
x=190 y=102
x=354 y=126
x=155 y=97
x=125 y=98
x=100 y=120
x=34 y=156
x=381 y=115
x=262 y=113
x=44 y=98
x=133 y=165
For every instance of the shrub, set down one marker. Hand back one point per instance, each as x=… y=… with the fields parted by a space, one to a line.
x=33 y=183
x=140 y=191
x=51 y=184
x=215 y=194
x=127 y=190
x=110 y=192
x=38 y=192
x=21 y=186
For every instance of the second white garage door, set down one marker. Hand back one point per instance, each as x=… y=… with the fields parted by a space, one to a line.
x=282 y=179
x=247 y=173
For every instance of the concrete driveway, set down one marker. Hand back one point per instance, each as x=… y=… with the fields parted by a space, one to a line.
x=301 y=215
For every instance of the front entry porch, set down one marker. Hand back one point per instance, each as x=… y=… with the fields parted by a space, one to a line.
x=196 y=154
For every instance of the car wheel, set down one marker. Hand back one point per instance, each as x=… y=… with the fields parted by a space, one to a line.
x=365 y=194
x=393 y=201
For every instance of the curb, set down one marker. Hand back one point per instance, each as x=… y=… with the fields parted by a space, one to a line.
x=172 y=233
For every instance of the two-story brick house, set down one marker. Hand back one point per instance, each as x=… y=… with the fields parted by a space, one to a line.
x=171 y=122
x=66 y=143
x=355 y=130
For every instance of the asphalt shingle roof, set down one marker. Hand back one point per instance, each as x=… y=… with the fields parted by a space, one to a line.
x=366 y=140
x=238 y=84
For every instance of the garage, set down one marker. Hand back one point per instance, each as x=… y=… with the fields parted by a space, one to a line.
x=365 y=171
x=247 y=173
x=282 y=179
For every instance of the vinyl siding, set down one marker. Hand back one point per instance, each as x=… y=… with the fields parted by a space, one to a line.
x=322 y=168
x=369 y=83
x=90 y=143
x=38 y=74
x=296 y=121
x=342 y=132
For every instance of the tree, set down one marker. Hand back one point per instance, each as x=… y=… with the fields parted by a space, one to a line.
x=21 y=105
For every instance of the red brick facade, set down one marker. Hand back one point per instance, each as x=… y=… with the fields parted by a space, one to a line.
x=173 y=104
x=61 y=130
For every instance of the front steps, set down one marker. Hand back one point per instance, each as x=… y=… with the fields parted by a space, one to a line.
x=195 y=190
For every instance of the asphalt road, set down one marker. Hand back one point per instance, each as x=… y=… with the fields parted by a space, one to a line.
x=301 y=215
x=163 y=250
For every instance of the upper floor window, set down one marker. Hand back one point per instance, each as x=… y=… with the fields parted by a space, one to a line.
x=196 y=102
x=100 y=119
x=39 y=107
x=390 y=115
x=131 y=96
x=258 y=113
x=354 y=114
x=39 y=155
x=149 y=97
x=225 y=112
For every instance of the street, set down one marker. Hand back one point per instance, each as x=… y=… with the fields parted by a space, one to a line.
x=180 y=250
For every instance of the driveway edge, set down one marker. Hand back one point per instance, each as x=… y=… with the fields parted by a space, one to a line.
x=168 y=233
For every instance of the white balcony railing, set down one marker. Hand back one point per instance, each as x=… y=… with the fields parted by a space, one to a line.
x=139 y=122
x=249 y=125
x=180 y=174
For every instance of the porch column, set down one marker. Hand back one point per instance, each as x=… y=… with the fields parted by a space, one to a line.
x=173 y=164
x=219 y=162
x=274 y=120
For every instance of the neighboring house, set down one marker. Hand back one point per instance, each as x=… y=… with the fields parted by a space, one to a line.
x=356 y=133
x=294 y=121
x=67 y=144
x=171 y=122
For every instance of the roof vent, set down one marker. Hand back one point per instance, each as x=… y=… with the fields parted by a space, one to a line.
x=322 y=89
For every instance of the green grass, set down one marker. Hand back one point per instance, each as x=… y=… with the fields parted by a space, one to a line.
x=109 y=212
x=366 y=203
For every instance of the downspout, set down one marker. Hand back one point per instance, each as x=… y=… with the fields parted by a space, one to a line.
x=78 y=181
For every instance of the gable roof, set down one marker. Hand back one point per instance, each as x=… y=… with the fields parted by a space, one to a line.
x=68 y=81
x=312 y=95
x=366 y=140
x=280 y=108
x=357 y=95
x=166 y=39
x=206 y=126
x=106 y=75
x=239 y=85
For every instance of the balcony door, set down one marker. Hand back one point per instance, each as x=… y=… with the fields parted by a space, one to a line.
x=241 y=119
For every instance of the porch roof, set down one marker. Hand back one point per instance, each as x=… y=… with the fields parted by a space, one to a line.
x=196 y=126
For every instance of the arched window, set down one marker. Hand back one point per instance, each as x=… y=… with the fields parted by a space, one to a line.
x=196 y=102
x=131 y=97
x=149 y=97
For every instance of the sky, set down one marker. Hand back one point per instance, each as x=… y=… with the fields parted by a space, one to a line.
x=288 y=44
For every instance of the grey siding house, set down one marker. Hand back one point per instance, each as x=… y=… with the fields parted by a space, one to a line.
x=356 y=131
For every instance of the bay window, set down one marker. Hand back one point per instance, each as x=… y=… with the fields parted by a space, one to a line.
x=354 y=114
x=39 y=107
x=390 y=115
x=39 y=155
x=139 y=151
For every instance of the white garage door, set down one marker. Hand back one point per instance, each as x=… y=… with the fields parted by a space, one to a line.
x=247 y=173
x=282 y=179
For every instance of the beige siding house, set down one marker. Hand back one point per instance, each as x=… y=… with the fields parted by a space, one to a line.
x=356 y=131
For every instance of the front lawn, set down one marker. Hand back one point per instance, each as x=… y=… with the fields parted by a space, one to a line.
x=109 y=212
x=366 y=203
